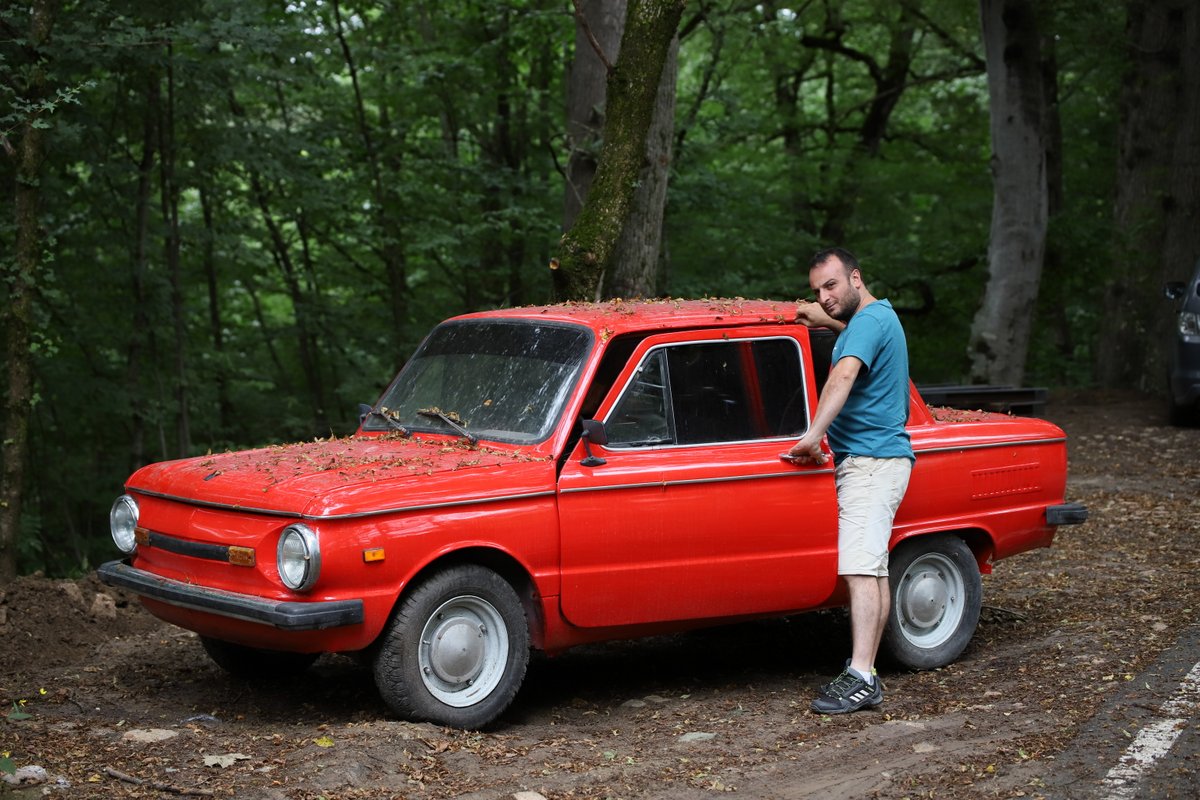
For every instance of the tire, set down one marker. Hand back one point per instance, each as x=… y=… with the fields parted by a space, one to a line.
x=253 y=663
x=456 y=650
x=1182 y=416
x=936 y=596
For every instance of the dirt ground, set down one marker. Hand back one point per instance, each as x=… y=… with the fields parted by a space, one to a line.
x=111 y=703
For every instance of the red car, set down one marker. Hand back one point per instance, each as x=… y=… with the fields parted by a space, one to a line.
x=545 y=477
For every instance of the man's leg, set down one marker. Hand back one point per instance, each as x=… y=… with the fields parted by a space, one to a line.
x=870 y=602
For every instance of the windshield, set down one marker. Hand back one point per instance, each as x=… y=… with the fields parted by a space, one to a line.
x=505 y=380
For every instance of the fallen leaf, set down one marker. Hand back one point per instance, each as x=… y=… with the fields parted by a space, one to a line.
x=224 y=761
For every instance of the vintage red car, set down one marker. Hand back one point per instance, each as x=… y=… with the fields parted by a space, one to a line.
x=545 y=477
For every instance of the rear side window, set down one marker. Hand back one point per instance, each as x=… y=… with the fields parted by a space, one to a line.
x=710 y=392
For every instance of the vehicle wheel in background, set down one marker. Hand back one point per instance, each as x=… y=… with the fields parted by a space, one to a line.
x=254 y=663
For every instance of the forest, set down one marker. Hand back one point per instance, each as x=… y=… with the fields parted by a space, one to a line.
x=224 y=224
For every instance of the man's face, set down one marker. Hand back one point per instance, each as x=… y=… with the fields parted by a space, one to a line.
x=837 y=288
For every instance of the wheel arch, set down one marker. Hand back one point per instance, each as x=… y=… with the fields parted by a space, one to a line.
x=498 y=561
x=978 y=539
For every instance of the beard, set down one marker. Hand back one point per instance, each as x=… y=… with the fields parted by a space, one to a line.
x=848 y=307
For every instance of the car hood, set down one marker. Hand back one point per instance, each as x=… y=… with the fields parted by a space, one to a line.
x=350 y=475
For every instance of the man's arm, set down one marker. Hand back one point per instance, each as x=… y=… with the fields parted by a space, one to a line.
x=833 y=398
x=812 y=315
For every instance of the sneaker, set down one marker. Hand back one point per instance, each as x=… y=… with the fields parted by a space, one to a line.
x=848 y=692
x=824 y=687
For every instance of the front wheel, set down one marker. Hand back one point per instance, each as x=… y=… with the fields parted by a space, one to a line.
x=936 y=596
x=456 y=650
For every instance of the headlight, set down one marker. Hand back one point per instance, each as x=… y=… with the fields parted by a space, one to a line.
x=123 y=520
x=298 y=557
x=1189 y=323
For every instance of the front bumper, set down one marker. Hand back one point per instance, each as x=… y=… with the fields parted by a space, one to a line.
x=285 y=615
x=1066 y=514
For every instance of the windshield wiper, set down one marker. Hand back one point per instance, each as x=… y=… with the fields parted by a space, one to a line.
x=368 y=411
x=437 y=413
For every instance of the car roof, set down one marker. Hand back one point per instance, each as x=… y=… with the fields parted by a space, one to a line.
x=615 y=317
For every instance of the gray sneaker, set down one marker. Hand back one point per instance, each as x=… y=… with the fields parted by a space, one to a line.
x=848 y=692
x=824 y=687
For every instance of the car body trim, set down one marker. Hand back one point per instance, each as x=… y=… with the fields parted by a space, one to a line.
x=283 y=614
x=988 y=445
x=271 y=512
x=185 y=547
x=693 y=481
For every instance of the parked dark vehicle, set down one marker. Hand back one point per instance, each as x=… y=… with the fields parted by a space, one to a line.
x=1183 y=366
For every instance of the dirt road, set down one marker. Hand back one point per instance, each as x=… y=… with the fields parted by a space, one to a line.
x=111 y=703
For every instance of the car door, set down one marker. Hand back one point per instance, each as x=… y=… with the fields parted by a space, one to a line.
x=693 y=515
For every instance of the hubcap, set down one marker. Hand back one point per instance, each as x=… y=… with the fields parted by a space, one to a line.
x=929 y=600
x=463 y=651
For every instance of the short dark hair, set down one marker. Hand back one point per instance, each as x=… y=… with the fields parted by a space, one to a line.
x=843 y=255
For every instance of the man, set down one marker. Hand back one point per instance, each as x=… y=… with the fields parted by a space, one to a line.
x=864 y=409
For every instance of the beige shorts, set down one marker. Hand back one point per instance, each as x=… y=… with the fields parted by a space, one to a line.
x=869 y=491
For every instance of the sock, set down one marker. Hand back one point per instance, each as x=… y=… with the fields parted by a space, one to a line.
x=868 y=678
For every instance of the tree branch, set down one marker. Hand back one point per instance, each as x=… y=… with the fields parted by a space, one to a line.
x=591 y=37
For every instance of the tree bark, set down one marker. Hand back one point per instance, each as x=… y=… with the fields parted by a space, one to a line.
x=635 y=263
x=1000 y=332
x=22 y=278
x=587 y=249
x=599 y=25
x=1158 y=189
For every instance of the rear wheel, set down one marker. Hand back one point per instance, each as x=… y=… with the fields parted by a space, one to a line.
x=456 y=650
x=255 y=663
x=936 y=596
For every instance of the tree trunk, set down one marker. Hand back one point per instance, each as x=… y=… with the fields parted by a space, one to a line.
x=1158 y=189
x=305 y=338
x=587 y=80
x=634 y=271
x=587 y=249
x=216 y=326
x=137 y=279
x=388 y=223
x=22 y=277
x=169 y=190
x=1001 y=329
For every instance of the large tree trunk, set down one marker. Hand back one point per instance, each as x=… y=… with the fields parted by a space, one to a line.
x=1158 y=188
x=635 y=264
x=587 y=78
x=1000 y=333
x=22 y=280
x=588 y=248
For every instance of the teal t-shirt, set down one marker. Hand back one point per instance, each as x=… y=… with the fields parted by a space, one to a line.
x=872 y=422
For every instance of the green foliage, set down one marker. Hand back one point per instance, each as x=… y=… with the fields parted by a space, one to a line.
x=345 y=174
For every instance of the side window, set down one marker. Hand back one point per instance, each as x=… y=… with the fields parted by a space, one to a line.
x=727 y=391
x=642 y=416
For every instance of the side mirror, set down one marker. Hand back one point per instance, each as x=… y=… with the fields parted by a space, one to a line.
x=593 y=431
x=1174 y=289
x=364 y=411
